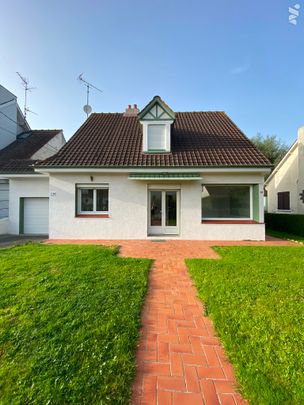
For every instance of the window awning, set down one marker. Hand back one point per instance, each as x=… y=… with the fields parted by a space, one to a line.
x=165 y=176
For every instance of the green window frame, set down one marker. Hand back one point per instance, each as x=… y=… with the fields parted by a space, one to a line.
x=227 y=202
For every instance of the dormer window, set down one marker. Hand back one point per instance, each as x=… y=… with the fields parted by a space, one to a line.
x=156 y=119
x=156 y=137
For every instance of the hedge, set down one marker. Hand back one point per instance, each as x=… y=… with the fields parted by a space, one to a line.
x=290 y=223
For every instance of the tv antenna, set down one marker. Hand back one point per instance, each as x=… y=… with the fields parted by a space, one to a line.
x=87 y=108
x=25 y=84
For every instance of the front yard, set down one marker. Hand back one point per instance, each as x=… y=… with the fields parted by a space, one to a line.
x=69 y=321
x=255 y=297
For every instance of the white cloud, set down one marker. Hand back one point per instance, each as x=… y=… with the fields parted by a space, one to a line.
x=240 y=69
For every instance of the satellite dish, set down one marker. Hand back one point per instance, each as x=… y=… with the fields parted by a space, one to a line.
x=87 y=109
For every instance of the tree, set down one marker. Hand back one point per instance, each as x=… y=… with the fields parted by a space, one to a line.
x=271 y=146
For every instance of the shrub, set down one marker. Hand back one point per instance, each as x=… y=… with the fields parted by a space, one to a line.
x=290 y=223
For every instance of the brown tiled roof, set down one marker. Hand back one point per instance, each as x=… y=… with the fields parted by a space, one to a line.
x=198 y=139
x=16 y=157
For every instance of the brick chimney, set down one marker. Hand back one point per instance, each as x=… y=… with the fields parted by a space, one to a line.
x=131 y=111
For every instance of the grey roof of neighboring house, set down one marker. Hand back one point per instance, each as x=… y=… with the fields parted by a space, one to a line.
x=16 y=157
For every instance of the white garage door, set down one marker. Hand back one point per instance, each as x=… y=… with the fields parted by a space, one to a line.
x=36 y=215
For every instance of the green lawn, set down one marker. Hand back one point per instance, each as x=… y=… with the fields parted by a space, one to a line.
x=285 y=235
x=255 y=297
x=69 y=322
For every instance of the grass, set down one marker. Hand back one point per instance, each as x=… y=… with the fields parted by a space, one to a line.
x=285 y=235
x=69 y=322
x=255 y=297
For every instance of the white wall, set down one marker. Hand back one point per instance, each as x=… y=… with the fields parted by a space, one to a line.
x=3 y=226
x=284 y=179
x=300 y=188
x=127 y=206
x=128 y=209
x=34 y=186
x=50 y=148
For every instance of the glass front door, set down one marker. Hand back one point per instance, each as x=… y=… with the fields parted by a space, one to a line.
x=163 y=212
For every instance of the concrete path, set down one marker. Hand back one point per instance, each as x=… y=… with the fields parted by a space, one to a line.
x=179 y=359
x=7 y=241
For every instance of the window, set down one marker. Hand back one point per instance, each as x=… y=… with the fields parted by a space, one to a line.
x=156 y=137
x=226 y=202
x=284 y=200
x=92 y=200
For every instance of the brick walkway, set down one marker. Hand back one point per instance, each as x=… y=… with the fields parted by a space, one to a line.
x=179 y=359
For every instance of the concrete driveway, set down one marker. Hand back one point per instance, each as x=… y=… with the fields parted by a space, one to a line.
x=12 y=240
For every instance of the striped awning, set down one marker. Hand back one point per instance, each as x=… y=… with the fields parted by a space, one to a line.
x=165 y=176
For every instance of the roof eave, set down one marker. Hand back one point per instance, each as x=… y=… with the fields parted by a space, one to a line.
x=252 y=168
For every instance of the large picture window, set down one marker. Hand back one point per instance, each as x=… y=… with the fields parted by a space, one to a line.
x=226 y=202
x=92 y=200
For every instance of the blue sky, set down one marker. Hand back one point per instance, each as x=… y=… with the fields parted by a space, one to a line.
x=238 y=56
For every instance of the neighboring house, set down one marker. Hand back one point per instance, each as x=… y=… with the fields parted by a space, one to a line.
x=28 y=190
x=12 y=123
x=285 y=185
x=154 y=173
x=20 y=185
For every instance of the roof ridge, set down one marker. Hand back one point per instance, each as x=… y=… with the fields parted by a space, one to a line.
x=176 y=112
x=43 y=130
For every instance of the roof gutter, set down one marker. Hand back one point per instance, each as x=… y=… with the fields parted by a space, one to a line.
x=223 y=169
x=32 y=175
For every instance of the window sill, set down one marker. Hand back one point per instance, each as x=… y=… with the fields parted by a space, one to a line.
x=92 y=216
x=156 y=151
x=229 y=221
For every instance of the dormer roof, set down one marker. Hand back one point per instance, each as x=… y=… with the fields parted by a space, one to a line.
x=156 y=109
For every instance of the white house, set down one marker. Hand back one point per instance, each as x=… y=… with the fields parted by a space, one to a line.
x=285 y=185
x=153 y=173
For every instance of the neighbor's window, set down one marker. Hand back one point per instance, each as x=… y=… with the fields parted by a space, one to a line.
x=284 y=200
x=91 y=200
x=156 y=137
x=226 y=202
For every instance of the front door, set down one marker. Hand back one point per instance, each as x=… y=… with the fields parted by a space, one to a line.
x=163 y=218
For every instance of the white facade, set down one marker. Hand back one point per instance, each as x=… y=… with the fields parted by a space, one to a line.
x=288 y=176
x=12 y=121
x=128 y=208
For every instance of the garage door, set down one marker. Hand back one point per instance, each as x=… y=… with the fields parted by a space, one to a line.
x=36 y=215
